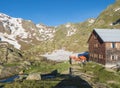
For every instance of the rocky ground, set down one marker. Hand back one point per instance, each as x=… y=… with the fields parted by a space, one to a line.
x=78 y=72
x=75 y=71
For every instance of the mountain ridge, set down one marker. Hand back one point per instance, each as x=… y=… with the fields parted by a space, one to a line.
x=70 y=36
x=17 y=31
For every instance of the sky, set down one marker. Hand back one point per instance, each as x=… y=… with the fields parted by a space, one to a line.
x=54 y=12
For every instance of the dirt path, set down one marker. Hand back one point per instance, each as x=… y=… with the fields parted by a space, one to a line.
x=75 y=71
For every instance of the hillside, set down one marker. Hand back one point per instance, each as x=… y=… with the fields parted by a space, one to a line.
x=21 y=33
x=77 y=42
x=109 y=18
x=74 y=36
x=39 y=38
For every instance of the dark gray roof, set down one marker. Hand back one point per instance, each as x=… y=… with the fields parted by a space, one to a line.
x=109 y=35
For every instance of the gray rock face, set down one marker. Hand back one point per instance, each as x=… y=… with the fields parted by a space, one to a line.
x=8 y=54
x=3 y=54
x=8 y=71
x=34 y=76
x=1 y=67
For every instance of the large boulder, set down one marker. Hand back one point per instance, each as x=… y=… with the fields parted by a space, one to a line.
x=8 y=71
x=34 y=76
x=9 y=54
x=1 y=67
x=3 y=54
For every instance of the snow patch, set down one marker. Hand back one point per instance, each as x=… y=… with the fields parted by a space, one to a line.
x=117 y=9
x=111 y=24
x=68 y=25
x=14 y=25
x=91 y=21
x=58 y=55
x=45 y=32
x=71 y=31
x=10 y=40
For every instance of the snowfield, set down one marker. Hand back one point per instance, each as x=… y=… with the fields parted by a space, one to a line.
x=59 y=55
x=13 y=31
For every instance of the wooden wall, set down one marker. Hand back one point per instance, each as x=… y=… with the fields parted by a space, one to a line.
x=96 y=49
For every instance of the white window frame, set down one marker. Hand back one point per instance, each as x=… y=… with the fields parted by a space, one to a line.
x=115 y=45
x=114 y=57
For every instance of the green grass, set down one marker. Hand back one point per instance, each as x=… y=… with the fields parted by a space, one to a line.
x=32 y=84
x=53 y=83
x=11 y=64
x=43 y=66
x=47 y=67
x=99 y=73
x=102 y=75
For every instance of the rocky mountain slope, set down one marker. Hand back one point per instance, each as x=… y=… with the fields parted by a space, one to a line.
x=20 y=32
x=39 y=38
x=9 y=54
x=110 y=17
x=74 y=36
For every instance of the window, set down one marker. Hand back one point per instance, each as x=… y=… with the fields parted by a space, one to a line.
x=96 y=45
x=114 y=57
x=100 y=56
x=113 y=45
x=95 y=55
